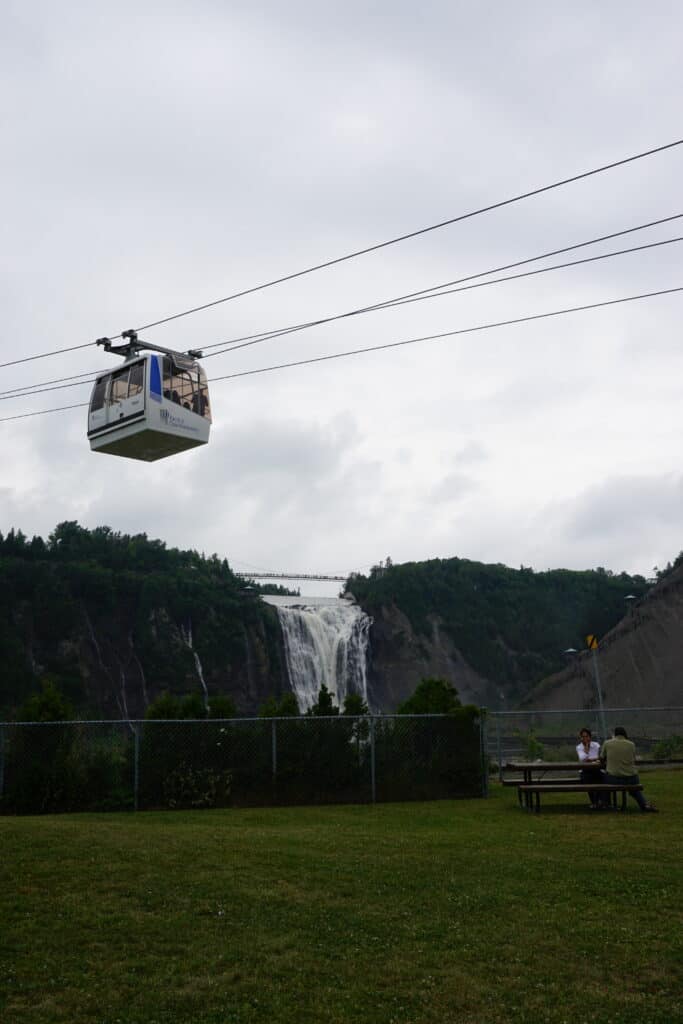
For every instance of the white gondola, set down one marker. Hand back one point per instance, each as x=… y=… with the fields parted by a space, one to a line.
x=155 y=404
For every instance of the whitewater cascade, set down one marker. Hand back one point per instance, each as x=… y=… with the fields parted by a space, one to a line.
x=325 y=642
x=187 y=638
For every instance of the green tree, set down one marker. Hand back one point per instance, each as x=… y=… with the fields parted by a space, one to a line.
x=193 y=706
x=354 y=705
x=324 y=705
x=49 y=705
x=165 y=706
x=285 y=707
x=431 y=697
x=288 y=707
x=222 y=707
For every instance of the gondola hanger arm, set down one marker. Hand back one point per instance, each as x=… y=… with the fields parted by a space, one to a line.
x=134 y=345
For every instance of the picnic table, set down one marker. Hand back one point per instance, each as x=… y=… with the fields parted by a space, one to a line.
x=541 y=777
x=541 y=768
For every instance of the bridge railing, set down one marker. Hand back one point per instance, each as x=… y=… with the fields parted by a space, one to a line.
x=289 y=576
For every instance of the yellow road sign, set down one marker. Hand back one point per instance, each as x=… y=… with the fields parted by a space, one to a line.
x=592 y=642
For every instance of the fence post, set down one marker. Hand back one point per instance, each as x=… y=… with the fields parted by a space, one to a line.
x=136 y=765
x=273 y=743
x=483 y=748
x=372 y=760
x=499 y=749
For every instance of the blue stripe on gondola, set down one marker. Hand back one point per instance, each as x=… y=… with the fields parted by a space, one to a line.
x=154 y=379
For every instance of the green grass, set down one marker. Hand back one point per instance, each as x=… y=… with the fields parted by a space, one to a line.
x=467 y=911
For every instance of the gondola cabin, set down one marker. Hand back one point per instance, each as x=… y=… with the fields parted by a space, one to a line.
x=150 y=407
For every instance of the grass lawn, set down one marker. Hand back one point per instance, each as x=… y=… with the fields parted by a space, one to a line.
x=467 y=911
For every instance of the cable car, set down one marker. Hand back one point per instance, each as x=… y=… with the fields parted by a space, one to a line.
x=154 y=405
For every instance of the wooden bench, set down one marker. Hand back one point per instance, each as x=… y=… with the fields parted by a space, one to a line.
x=531 y=792
x=548 y=781
x=557 y=780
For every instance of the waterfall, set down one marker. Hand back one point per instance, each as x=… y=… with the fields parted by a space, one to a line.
x=187 y=638
x=325 y=643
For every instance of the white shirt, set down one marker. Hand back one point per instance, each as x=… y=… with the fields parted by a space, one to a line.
x=593 y=751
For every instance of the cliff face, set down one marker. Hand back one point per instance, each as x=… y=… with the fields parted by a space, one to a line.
x=492 y=631
x=114 y=649
x=640 y=660
x=400 y=659
x=120 y=679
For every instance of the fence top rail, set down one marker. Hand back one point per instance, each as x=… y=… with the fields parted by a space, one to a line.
x=332 y=718
x=576 y=711
x=223 y=721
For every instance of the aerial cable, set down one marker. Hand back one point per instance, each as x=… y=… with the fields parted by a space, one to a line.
x=27 y=389
x=255 y=339
x=414 y=234
x=58 y=386
x=399 y=344
x=43 y=412
x=449 y=334
x=433 y=294
x=278 y=332
x=44 y=355
x=372 y=248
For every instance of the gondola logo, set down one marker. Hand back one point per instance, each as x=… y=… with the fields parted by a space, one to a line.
x=169 y=420
x=176 y=422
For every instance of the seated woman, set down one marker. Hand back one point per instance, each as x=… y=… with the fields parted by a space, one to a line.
x=589 y=755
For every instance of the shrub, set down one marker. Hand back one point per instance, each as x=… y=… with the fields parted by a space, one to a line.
x=186 y=787
x=668 y=749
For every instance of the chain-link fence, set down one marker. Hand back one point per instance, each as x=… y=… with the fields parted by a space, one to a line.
x=553 y=735
x=63 y=766
x=72 y=766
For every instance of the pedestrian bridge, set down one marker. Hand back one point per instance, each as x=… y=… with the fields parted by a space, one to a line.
x=290 y=576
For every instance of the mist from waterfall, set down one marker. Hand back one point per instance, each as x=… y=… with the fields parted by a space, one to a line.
x=326 y=642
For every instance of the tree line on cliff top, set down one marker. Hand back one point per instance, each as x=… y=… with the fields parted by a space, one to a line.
x=511 y=625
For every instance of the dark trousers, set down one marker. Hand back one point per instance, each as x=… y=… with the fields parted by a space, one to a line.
x=629 y=780
x=594 y=774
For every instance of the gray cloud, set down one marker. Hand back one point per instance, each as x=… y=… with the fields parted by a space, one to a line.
x=628 y=506
x=453 y=487
x=158 y=157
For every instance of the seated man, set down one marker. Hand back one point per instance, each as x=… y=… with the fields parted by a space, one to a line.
x=619 y=758
x=199 y=402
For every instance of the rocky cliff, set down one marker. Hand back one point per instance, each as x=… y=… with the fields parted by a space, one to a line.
x=400 y=658
x=115 y=621
x=640 y=660
x=107 y=670
x=492 y=631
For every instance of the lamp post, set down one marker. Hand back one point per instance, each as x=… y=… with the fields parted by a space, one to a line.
x=593 y=646
x=598 y=687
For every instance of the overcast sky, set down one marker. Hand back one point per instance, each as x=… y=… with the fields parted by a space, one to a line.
x=157 y=156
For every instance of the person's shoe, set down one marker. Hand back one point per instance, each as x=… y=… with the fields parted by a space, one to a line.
x=652 y=809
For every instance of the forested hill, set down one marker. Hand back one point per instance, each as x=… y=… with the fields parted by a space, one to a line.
x=493 y=630
x=114 y=620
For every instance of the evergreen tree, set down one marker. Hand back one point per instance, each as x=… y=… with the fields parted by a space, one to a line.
x=324 y=704
x=431 y=697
